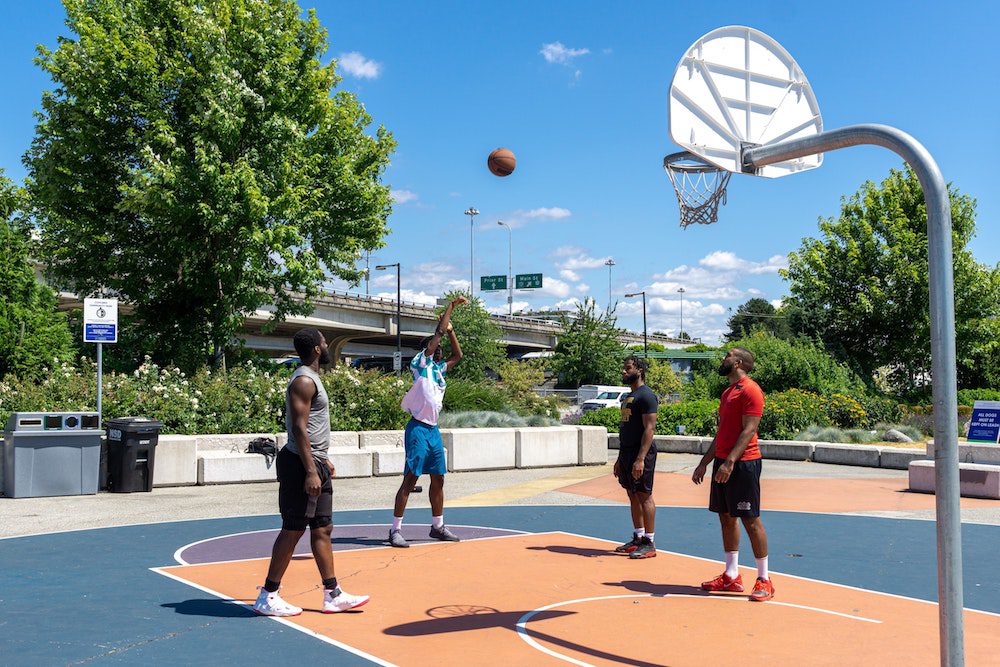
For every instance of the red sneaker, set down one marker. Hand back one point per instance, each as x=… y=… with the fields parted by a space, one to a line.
x=763 y=590
x=724 y=582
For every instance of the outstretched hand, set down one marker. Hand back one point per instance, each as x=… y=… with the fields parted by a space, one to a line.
x=459 y=301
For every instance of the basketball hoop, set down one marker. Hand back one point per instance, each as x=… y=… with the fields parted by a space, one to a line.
x=700 y=187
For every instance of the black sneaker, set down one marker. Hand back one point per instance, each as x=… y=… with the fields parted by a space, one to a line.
x=629 y=546
x=396 y=539
x=443 y=534
x=646 y=549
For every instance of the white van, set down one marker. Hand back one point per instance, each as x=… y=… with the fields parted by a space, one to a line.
x=597 y=396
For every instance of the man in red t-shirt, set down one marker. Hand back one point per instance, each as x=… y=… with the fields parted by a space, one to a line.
x=735 y=489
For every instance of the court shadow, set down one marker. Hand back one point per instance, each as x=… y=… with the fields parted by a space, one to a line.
x=657 y=589
x=574 y=551
x=212 y=608
x=467 y=622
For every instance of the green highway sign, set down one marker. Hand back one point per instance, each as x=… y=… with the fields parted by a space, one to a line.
x=528 y=281
x=492 y=283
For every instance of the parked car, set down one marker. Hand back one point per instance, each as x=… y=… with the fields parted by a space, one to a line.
x=606 y=399
x=588 y=392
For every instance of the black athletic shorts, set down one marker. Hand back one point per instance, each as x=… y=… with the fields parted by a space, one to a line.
x=626 y=457
x=299 y=509
x=740 y=495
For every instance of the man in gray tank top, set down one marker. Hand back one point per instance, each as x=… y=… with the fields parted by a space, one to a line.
x=305 y=491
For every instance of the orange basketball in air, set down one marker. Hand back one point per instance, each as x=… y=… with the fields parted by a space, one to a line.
x=501 y=162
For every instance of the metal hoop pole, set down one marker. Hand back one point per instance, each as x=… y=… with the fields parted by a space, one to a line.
x=942 y=311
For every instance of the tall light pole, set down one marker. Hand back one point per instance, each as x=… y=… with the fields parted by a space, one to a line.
x=645 y=339
x=399 y=321
x=680 y=290
x=368 y=270
x=472 y=212
x=609 y=263
x=510 y=267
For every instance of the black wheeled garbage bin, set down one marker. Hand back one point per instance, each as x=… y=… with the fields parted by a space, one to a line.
x=131 y=453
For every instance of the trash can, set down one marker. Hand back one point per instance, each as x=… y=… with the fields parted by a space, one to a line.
x=131 y=453
x=51 y=454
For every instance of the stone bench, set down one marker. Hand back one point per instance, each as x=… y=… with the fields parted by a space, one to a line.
x=224 y=467
x=176 y=462
x=787 y=450
x=681 y=444
x=847 y=455
x=482 y=448
x=592 y=445
x=975 y=480
x=386 y=448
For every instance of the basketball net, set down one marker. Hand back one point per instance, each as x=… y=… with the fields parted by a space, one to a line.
x=700 y=187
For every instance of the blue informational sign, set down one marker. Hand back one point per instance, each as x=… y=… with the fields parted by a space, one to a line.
x=100 y=333
x=985 y=424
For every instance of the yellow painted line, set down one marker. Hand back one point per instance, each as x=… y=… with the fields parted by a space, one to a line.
x=534 y=487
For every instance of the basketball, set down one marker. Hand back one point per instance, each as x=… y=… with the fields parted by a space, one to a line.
x=501 y=162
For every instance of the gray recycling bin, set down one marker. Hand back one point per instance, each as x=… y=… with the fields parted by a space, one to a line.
x=132 y=453
x=51 y=454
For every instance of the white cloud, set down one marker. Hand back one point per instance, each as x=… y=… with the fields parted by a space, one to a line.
x=777 y=302
x=568 y=250
x=412 y=296
x=403 y=196
x=572 y=276
x=728 y=261
x=554 y=287
x=582 y=261
x=583 y=288
x=561 y=55
x=503 y=309
x=357 y=65
x=520 y=218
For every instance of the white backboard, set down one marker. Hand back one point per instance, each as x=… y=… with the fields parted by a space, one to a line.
x=737 y=86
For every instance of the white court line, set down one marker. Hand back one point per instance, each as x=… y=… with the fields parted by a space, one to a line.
x=284 y=621
x=790 y=576
x=523 y=632
x=181 y=561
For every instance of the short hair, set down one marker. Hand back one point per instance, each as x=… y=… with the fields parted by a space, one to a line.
x=305 y=340
x=640 y=364
x=425 y=342
x=745 y=356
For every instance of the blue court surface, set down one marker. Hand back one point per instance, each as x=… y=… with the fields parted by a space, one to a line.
x=91 y=596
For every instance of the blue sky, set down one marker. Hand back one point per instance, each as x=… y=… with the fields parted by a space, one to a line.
x=578 y=91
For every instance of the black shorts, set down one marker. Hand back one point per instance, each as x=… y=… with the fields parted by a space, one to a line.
x=626 y=457
x=740 y=495
x=299 y=509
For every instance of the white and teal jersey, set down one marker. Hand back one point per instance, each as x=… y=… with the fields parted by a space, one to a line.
x=424 y=399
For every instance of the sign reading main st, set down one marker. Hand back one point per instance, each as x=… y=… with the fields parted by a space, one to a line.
x=528 y=281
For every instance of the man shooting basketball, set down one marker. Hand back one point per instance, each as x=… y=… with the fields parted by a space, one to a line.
x=424 y=449
x=735 y=489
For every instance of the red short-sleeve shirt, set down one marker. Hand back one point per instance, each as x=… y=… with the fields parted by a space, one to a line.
x=745 y=398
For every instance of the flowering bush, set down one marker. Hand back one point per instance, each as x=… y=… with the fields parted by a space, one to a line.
x=789 y=412
x=365 y=400
x=845 y=412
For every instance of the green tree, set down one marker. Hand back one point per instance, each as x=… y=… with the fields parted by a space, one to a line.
x=192 y=160
x=862 y=288
x=589 y=350
x=757 y=315
x=479 y=336
x=521 y=377
x=32 y=332
x=662 y=379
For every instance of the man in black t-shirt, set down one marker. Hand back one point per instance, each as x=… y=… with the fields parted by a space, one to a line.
x=636 y=462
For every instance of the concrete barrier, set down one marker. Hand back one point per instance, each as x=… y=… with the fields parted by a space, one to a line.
x=975 y=480
x=848 y=455
x=386 y=462
x=788 y=450
x=372 y=439
x=231 y=442
x=972 y=453
x=481 y=448
x=176 y=462
x=681 y=444
x=345 y=439
x=351 y=461
x=899 y=458
x=223 y=467
x=592 y=445
x=614 y=442
x=541 y=447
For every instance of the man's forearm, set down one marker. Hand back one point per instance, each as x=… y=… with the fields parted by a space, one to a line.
x=456 y=349
x=445 y=319
x=710 y=454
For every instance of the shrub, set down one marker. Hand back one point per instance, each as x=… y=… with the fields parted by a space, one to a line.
x=970 y=396
x=365 y=400
x=879 y=409
x=909 y=431
x=790 y=412
x=697 y=418
x=845 y=411
x=609 y=418
x=473 y=396
x=483 y=419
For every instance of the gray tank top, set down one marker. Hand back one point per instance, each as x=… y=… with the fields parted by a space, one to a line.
x=319 y=415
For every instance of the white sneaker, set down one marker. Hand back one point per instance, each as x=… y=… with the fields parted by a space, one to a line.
x=337 y=600
x=271 y=604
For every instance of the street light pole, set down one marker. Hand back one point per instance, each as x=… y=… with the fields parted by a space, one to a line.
x=609 y=263
x=510 y=267
x=645 y=338
x=399 y=321
x=472 y=212
x=680 y=291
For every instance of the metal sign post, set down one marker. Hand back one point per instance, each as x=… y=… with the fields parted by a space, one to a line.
x=100 y=325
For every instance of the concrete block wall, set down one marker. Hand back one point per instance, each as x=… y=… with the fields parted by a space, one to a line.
x=176 y=462
x=480 y=448
x=975 y=480
x=549 y=446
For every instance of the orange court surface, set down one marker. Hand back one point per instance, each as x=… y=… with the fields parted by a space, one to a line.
x=555 y=597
